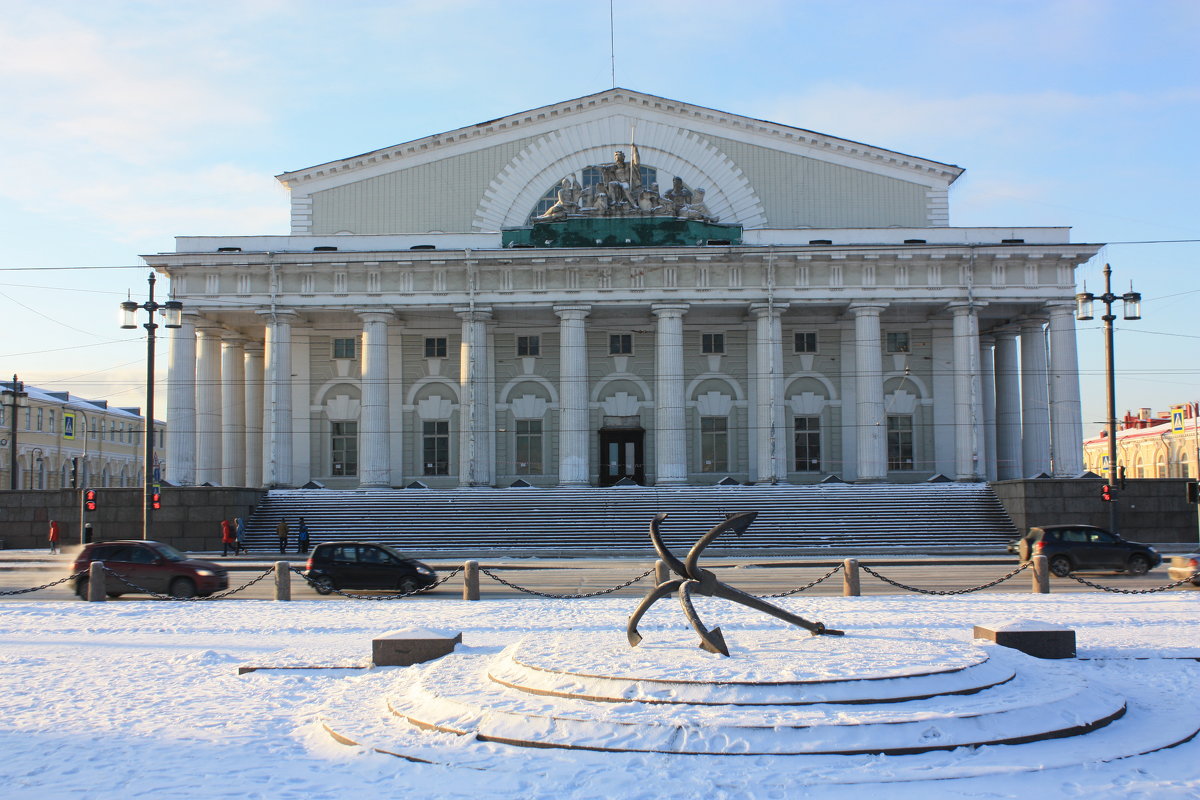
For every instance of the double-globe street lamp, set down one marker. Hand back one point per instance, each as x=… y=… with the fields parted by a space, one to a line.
x=172 y=312
x=1132 y=307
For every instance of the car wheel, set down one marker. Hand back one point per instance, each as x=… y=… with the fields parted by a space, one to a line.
x=1060 y=566
x=183 y=588
x=409 y=585
x=1138 y=564
x=323 y=584
x=113 y=594
x=81 y=588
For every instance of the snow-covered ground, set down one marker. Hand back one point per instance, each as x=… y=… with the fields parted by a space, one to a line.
x=144 y=699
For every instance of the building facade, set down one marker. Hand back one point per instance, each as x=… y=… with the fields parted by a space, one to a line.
x=65 y=442
x=515 y=302
x=1150 y=445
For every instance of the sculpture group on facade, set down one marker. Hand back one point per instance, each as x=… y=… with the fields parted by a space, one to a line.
x=620 y=193
x=694 y=579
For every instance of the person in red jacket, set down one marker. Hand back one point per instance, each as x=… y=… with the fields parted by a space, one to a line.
x=227 y=540
x=53 y=537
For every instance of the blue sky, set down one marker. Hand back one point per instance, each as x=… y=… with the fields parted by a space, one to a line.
x=127 y=123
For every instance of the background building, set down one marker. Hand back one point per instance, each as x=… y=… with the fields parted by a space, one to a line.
x=65 y=442
x=1150 y=445
x=513 y=302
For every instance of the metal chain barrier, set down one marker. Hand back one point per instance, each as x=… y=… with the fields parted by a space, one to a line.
x=389 y=596
x=1115 y=590
x=159 y=596
x=947 y=592
x=806 y=586
x=71 y=577
x=512 y=585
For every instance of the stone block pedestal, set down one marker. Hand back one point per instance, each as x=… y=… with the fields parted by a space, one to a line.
x=407 y=646
x=1038 y=639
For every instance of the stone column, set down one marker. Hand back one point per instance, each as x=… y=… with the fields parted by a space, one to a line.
x=1008 y=408
x=1035 y=400
x=770 y=435
x=208 y=407
x=1066 y=415
x=968 y=395
x=277 y=435
x=374 y=431
x=233 y=411
x=987 y=371
x=670 y=424
x=253 y=400
x=181 y=404
x=868 y=357
x=477 y=458
x=574 y=430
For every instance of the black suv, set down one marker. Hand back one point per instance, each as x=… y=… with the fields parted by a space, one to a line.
x=1085 y=547
x=362 y=565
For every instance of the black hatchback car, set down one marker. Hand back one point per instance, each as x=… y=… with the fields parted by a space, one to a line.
x=1085 y=547
x=363 y=565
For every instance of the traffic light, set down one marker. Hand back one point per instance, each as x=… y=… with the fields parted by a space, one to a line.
x=156 y=501
x=89 y=500
x=1193 y=492
x=1106 y=493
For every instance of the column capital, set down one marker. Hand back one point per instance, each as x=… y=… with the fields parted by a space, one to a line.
x=374 y=315
x=669 y=309
x=1031 y=323
x=1060 y=307
x=987 y=340
x=574 y=311
x=253 y=347
x=477 y=314
x=233 y=338
x=867 y=309
x=768 y=309
x=965 y=306
x=287 y=315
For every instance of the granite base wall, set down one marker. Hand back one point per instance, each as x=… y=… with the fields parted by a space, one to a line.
x=190 y=517
x=1154 y=510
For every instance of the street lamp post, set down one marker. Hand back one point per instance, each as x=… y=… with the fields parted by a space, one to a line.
x=173 y=318
x=16 y=391
x=1132 y=307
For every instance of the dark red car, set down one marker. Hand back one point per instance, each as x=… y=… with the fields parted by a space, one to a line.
x=152 y=566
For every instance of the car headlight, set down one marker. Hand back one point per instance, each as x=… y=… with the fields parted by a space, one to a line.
x=424 y=570
x=205 y=573
x=1152 y=550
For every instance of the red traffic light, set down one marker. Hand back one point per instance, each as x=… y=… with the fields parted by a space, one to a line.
x=1106 y=493
x=156 y=501
x=89 y=500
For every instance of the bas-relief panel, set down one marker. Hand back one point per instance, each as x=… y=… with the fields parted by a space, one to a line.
x=804 y=192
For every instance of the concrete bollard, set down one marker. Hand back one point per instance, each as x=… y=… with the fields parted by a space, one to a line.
x=471 y=580
x=95 y=587
x=850 y=585
x=1041 y=575
x=283 y=581
x=662 y=573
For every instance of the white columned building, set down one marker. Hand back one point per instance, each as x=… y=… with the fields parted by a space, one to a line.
x=540 y=301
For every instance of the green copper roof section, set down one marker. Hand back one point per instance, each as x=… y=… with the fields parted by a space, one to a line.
x=622 y=232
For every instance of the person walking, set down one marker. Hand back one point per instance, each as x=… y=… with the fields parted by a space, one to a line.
x=301 y=537
x=239 y=536
x=53 y=537
x=282 y=530
x=227 y=540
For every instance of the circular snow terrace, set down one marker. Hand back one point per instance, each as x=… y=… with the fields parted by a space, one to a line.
x=780 y=694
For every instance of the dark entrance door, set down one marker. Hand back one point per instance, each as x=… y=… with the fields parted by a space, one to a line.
x=622 y=456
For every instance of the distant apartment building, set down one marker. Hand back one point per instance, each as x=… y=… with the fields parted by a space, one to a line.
x=64 y=442
x=1150 y=444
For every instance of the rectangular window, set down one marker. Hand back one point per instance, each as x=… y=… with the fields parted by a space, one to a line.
x=900 y=442
x=712 y=343
x=39 y=419
x=435 y=347
x=27 y=417
x=344 y=449
x=436 y=446
x=529 y=447
x=344 y=348
x=529 y=345
x=807 y=431
x=714 y=444
x=897 y=342
x=620 y=344
x=50 y=421
x=805 y=342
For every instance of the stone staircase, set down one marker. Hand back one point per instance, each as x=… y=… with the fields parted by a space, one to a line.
x=825 y=518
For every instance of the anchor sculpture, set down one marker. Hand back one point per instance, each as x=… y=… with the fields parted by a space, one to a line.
x=693 y=579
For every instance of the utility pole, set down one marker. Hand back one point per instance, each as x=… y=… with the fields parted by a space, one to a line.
x=16 y=391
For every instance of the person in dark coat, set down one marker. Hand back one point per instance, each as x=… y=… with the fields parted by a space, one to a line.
x=282 y=530
x=239 y=536
x=227 y=540
x=301 y=537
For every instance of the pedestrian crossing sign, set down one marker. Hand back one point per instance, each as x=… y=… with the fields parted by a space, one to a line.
x=1176 y=419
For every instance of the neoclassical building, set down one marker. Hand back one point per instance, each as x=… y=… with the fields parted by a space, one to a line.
x=726 y=298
